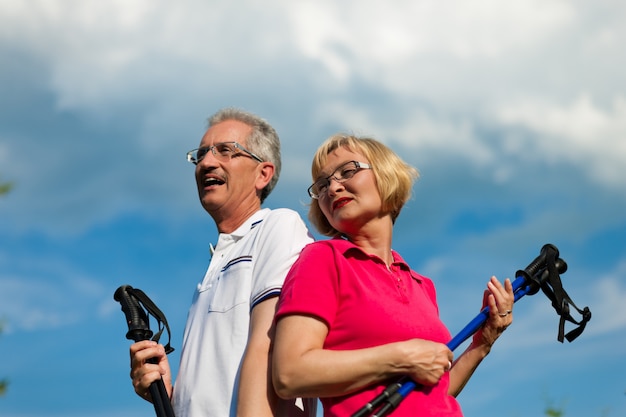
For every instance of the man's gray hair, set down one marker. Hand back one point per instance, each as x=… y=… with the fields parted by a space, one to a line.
x=263 y=140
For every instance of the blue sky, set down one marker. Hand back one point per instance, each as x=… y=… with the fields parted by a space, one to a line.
x=514 y=113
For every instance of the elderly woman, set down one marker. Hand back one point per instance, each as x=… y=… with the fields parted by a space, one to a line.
x=353 y=316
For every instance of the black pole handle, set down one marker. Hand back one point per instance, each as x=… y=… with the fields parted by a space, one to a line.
x=540 y=261
x=537 y=271
x=136 y=317
x=138 y=330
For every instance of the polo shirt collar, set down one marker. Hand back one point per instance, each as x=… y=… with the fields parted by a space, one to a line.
x=250 y=223
x=346 y=246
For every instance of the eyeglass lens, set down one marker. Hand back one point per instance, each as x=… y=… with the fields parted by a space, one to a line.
x=341 y=174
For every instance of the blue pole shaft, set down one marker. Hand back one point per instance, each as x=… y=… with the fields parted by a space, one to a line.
x=519 y=290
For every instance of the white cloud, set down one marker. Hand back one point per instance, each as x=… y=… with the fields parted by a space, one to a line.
x=429 y=75
x=419 y=130
x=607 y=294
x=579 y=132
x=120 y=49
x=457 y=53
x=28 y=306
x=103 y=53
x=397 y=31
x=46 y=294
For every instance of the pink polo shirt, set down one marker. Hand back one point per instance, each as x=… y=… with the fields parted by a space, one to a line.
x=364 y=304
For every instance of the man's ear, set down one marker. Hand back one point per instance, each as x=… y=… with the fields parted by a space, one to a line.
x=265 y=174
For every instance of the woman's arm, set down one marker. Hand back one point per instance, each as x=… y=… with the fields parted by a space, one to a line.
x=500 y=300
x=303 y=368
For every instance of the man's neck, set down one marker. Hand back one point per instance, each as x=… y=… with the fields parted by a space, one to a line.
x=228 y=224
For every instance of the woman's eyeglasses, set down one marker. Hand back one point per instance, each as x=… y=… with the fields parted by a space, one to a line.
x=341 y=174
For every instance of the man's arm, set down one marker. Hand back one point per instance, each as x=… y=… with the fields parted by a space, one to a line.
x=256 y=393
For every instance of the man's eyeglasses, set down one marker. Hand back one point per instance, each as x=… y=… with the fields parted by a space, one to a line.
x=341 y=174
x=222 y=151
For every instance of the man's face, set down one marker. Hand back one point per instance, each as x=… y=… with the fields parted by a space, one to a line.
x=227 y=188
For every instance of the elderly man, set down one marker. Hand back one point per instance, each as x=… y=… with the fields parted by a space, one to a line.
x=224 y=367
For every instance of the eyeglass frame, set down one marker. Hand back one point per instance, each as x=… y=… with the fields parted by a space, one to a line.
x=359 y=167
x=213 y=150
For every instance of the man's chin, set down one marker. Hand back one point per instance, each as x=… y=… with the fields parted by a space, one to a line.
x=210 y=202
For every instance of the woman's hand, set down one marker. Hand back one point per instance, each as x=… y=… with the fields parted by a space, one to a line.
x=500 y=300
x=426 y=361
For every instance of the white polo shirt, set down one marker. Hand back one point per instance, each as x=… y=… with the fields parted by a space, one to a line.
x=247 y=266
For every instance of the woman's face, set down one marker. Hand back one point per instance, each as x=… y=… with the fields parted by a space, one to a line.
x=350 y=205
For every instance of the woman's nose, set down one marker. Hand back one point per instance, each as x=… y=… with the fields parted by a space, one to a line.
x=334 y=185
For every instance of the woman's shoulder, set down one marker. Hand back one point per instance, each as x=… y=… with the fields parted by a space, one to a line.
x=332 y=243
x=323 y=248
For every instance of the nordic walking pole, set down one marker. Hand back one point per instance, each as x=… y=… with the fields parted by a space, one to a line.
x=138 y=330
x=540 y=273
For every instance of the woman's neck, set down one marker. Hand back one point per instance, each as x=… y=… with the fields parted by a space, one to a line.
x=375 y=239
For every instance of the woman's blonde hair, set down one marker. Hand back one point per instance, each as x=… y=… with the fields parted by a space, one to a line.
x=394 y=177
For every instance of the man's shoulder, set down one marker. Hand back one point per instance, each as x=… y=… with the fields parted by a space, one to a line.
x=283 y=212
x=283 y=216
x=283 y=223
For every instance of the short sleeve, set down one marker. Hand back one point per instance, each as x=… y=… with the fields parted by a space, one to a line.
x=279 y=244
x=311 y=287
